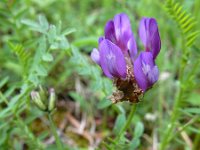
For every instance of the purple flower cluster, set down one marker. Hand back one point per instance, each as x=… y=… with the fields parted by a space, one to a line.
x=117 y=51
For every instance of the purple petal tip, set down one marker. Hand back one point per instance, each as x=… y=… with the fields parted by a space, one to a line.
x=95 y=55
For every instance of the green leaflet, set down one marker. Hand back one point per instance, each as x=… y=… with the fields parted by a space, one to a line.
x=185 y=21
x=21 y=53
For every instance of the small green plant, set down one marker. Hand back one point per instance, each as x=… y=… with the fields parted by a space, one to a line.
x=187 y=23
x=48 y=44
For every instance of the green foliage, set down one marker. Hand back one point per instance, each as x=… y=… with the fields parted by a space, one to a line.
x=22 y=55
x=185 y=21
x=186 y=79
x=119 y=123
x=138 y=132
x=51 y=39
x=104 y=103
x=32 y=66
x=48 y=44
x=28 y=135
x=139 y=129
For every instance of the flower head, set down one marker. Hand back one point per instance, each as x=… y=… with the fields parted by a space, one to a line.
x=117 y=56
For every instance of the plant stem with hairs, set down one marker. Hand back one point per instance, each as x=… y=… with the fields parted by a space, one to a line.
x=55 y=134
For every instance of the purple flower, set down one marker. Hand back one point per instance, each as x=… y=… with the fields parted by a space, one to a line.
x=117 y=55
x=118 y=42
x=112 y=60
x=119 y=32
x=145 y=71
x=149 y=35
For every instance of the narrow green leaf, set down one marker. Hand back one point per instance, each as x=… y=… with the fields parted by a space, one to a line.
x=68 y=31
x=30 y=23
x=139 y=129
x=104 y=103
x=3 y=81
x=43 y=22
x=134 y=144
x=41 y=70
x=52 y=34
x=47 y=57
x=195 y=110
x=119 y=123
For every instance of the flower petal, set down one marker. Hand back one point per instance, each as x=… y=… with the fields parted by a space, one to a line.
x=139 y=74
x=123 y=30
x=122 y=26
x=100 y=39
x=145 y=71
x=112 y=60
x=149 y=35
x=132 y=48
x=110 y=31
x=95 y=56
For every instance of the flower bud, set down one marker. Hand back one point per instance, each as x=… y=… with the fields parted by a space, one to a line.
x=35 y=96
x=52 y=100
x=43 y=94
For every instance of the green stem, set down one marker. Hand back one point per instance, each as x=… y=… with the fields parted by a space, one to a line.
x=175 y=113
x=196 y=142
x=53 y=129
x=160 y=106
x=171 y=126
x=128 y=122
x=185 y=126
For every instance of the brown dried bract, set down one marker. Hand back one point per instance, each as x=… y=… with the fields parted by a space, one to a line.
x=127 y=89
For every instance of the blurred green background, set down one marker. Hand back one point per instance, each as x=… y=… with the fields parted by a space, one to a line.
x=54 y=52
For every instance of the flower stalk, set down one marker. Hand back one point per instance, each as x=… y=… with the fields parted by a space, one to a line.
x=46 y=101
x=128 y=122
x=171 y=126
x=55 y=134
x=167 y=135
